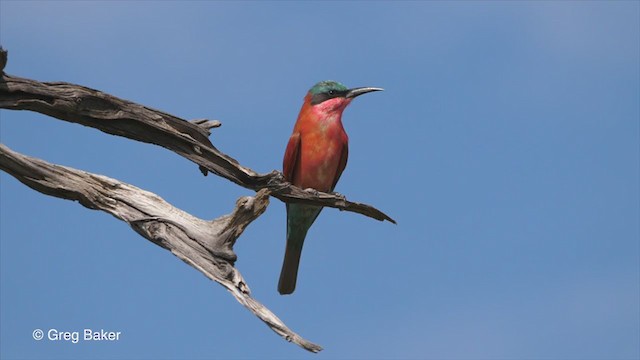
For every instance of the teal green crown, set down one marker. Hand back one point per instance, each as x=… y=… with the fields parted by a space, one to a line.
x=326 y=86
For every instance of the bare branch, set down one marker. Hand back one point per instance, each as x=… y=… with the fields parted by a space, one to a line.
x=205 y=245
x=89 y=107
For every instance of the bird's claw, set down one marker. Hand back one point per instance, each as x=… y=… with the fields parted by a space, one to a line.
x=312 y=191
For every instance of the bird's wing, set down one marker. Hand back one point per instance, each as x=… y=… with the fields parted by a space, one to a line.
x=341 y=165
x=290 y=161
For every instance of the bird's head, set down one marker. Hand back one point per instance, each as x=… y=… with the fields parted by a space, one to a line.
x=331 y=96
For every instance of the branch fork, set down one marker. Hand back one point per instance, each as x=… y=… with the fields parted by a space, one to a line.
x=205 y=245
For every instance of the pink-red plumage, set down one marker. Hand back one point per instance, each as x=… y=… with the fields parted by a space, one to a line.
x=315 y=157
x=317 y=151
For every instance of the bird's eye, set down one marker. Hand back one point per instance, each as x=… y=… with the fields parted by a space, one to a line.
x=332 y=92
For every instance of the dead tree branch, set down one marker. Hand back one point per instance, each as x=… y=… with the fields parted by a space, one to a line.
x=112 y=115
x=205 y=245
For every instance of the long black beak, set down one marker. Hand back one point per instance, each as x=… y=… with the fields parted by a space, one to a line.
x=352 y=93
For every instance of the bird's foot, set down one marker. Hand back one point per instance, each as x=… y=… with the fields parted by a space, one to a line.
x=339 y=196
x=312 y=191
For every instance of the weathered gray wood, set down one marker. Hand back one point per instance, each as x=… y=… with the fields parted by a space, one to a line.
x=205 y=245
x=89 y=107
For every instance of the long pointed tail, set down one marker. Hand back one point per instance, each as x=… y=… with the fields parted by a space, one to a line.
x=299 y=220
x=289 y=272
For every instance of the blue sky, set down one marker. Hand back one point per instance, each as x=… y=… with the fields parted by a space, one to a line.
x=506 y=145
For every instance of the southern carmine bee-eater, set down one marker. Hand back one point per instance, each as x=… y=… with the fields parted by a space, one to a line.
x=315 y=157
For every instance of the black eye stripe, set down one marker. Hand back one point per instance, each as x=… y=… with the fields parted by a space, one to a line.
x=322 y=97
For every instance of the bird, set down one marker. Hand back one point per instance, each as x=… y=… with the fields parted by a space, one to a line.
x=314 y=159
